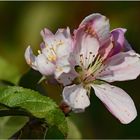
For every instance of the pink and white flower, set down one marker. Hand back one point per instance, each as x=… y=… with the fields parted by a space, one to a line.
x=54 y=54
x=98 y=56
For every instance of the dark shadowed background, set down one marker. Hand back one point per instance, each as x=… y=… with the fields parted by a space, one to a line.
x=20 y=26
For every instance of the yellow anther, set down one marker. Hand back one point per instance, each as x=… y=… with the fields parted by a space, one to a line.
x=52 y=58
x=39 y=52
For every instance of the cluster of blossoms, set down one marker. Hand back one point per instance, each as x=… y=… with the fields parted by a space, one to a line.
x=90 y=58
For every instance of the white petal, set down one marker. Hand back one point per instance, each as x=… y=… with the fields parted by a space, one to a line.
x=45 y=67
x=121 y=67
x=64 y=37
x=30 y=58
x=60 y=70
x=63 y=33
x=118 y=102
x=67 y=78
x=76 y=97
x=100 y=24
x=65 y=49
x=62 y=66
x=86 y=47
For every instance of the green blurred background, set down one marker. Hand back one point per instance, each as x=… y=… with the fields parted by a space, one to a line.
x=20 y=26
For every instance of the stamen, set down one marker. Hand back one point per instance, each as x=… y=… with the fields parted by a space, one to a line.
x=91 y=56
x=51 y=57
x=92 y=68
x=39 y=52
x=90 y=78
x=81 y=60
x=53 y=51
x=97 y=64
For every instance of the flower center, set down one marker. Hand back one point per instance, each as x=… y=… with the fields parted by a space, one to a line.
x=51 y=55
x=88 y=75
x=51 y=50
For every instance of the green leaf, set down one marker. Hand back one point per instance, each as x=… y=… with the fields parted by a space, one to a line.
x=73 y=131
x=8 y=71
x=10 y=125
x=54 y=133
x=38 y=105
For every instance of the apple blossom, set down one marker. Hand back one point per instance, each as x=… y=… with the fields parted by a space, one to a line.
x=99 y=57
x=54 y=54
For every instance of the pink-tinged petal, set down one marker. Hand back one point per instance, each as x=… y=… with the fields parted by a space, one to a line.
x=44 y=66
x=30 y=58
x=120 y=44
x=127 y=46
x=46 y=33
x=106 y=49
x=117 y=44
x=118 y=102
x=121 y=67
x=47 y=36
x=118 y=37
x=99 y=24
x=86 y=47
x=76 y=97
